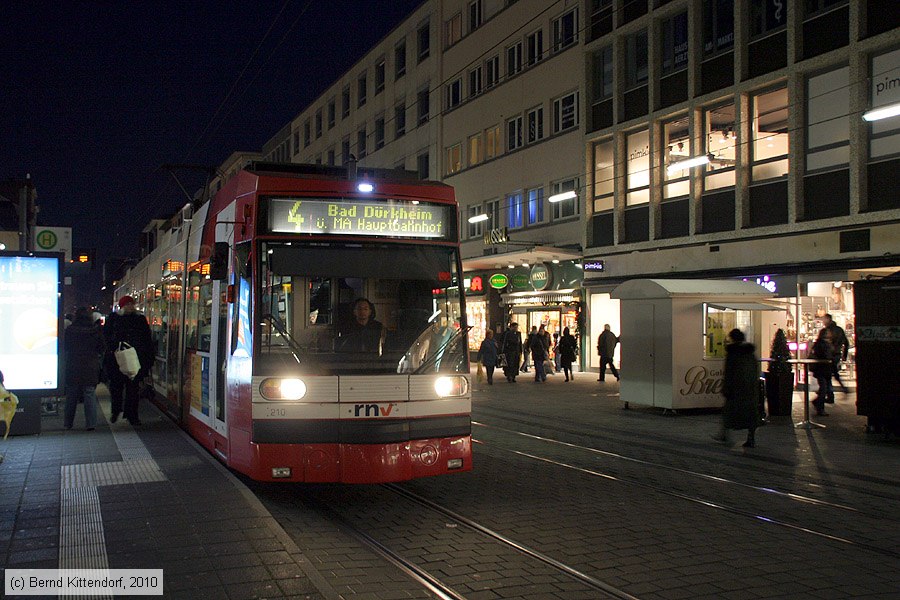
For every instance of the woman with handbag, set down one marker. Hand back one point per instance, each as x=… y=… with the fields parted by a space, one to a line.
x=127 y=327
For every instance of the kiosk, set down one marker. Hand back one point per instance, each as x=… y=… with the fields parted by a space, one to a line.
x=673 y=337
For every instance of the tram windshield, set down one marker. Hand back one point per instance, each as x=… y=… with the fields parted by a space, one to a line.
x=339 y=308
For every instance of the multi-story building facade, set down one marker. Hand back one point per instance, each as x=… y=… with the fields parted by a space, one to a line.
x=486 y=96
x=787 y=183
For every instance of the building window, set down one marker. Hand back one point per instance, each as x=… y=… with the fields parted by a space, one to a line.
x=514 y=59
x=636 y=59
x=423 y=39
x=330 y=156
x=565 y=112
x=331 y=113
x=565 y=30
x=476 y=149
x=676 y=147
x=379 y=76
x=361 y=144
x=475 y=81
x=379 y=133
x=399 y=120
x=675 y=43
x=318 y=159
x=718 y=25
x=602 y=77
x=474 y=15
x=475 y=230
x=828 y=123
x=884 y=138
x=535 y=47
x=454 y=93
x=767 y=16
x=361 y=90
x=345 y=150
x=454 y=159
x=770 y=135
x=535 y=120
x=318 y=122
x=535 y=206
x=514 y=216
x=513 y=134
x=721 y=145
x=400 y=60
x=637 y=166
x=820 y=6
x=345 y=102
x=566 y=208
x=492 y=142
x=601 y=18
x=422 y=165
x=454 y=29
x=296 y=142
x=491 y=71
x=492 y=210
x=604 y=175
x=422 y=107
x=307 y=137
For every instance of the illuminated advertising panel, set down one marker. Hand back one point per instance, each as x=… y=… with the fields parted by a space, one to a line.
x=30 y=321
x=384 y=217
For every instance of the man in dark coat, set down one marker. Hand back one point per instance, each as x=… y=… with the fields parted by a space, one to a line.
x=840 y=346
x=606 y=348
x=511 y=347
x=83 y=345
x=740 y=388
x=131 y=327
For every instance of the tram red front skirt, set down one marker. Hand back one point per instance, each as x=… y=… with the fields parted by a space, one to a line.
x=361 y=463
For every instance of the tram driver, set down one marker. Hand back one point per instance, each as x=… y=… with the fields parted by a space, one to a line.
x=366 y=334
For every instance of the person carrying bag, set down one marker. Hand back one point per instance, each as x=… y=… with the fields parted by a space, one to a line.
x=127 y=337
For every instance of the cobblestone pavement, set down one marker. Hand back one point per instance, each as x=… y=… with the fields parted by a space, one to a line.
x=640 y=501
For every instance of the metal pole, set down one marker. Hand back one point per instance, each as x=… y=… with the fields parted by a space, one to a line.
x=23 y=217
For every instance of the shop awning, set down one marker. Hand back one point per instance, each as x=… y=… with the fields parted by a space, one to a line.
x=558 y=296
x=743 y=306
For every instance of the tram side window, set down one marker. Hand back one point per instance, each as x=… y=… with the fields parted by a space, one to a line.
x=242 y=279
x=205 y=315
x=191 y=308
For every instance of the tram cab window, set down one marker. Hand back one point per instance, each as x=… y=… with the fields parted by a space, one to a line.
x=308 y=293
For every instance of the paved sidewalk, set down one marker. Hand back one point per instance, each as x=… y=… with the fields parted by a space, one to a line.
x=161 y=501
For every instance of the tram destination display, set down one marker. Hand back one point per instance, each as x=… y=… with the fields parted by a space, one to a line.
x=390 y=218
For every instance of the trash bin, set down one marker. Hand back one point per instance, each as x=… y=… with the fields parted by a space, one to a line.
x=28 y=417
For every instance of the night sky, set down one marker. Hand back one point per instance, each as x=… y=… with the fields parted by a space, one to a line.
x=97 y=95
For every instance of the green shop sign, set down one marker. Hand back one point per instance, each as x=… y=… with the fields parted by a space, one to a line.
x=520 y=281
x=540 y=277
x=499 y=281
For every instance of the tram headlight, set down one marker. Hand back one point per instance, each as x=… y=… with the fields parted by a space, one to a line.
x=277 y=388
x=456 y=385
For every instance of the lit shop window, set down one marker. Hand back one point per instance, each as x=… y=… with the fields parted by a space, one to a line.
x=604 y=176
x=828 y=108
x=637 y=155
x=676 y=150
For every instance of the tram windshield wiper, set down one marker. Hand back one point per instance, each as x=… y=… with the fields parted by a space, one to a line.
x=278 y=326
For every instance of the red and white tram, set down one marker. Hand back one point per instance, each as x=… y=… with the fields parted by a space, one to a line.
x=250 y=300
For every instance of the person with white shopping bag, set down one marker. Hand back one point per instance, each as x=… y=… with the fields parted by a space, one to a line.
x=127 y=337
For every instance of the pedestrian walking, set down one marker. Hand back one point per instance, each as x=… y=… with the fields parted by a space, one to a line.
x=568 y=349
x=540 y=352
x=823 y=350
x=740 y=388
x=606 y=348
x=511 y=349
x=131 y=327
x=526 y=349
x=557 y=358
x=488 y=354
x=840 y=346
x=83 y=345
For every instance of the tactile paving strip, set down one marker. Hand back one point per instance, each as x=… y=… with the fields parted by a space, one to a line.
x=82 y=544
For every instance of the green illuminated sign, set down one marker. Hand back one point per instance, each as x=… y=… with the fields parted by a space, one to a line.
x=499 y=281
x=520 y=281
x=343 y=216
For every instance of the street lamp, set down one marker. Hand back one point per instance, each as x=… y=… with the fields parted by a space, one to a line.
x=884 y=112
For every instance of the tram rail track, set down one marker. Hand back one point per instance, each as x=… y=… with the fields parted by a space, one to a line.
x=713 y=504
x=433 y=583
